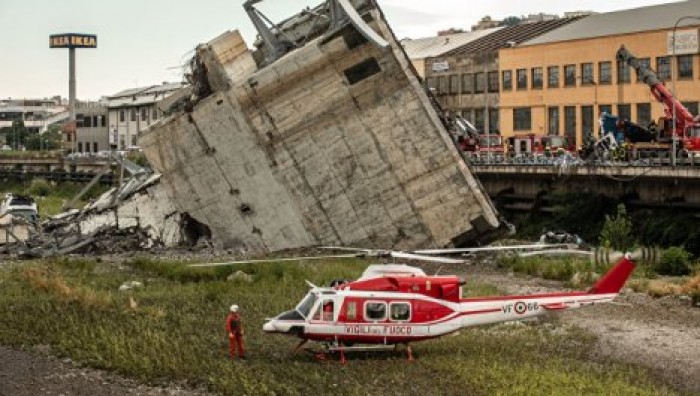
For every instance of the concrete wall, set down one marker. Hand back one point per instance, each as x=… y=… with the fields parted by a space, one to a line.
x=645 y=44
x=295 y=154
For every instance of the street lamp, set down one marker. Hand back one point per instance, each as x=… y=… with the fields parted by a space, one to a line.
x=673 y=80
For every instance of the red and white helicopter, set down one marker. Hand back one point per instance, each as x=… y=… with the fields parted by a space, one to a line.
x=393 y=304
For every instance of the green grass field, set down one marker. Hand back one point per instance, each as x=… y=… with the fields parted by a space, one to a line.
x=176 y=333
x=50 y=197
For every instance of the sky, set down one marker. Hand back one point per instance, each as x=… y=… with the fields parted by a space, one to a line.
x=143 y=42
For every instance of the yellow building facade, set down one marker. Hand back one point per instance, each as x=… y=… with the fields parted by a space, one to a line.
x=562 y=87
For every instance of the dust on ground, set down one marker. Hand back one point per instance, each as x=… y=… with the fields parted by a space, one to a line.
x=662 y=334
x=36 y=372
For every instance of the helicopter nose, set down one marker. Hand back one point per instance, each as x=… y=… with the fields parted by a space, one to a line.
x=269 y=327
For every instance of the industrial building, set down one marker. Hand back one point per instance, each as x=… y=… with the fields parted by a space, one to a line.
x=419 y=50
x=465 y=79
x=559 y=82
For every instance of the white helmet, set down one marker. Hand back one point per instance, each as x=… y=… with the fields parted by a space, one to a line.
x=234 y=308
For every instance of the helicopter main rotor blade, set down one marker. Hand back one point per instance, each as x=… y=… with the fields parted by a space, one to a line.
x=272 y=260
x=490 y=249
x=413 y=256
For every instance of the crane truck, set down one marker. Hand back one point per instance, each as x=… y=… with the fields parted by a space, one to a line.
x=687 y=126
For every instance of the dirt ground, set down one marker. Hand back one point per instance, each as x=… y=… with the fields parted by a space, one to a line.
x=24 y=373
x=662 y=334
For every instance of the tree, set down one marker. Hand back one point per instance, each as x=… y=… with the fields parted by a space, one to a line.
x=49 y=140
x=511 y=21
x=617 y=231
x=17 y=135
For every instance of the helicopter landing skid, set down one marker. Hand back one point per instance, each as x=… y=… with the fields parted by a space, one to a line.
x=322 y=355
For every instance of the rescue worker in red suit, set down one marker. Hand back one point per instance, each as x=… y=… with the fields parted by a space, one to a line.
x=234 y=329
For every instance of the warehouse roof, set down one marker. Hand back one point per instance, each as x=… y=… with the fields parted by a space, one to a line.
x=435 y=46
x=510 y=36
x=657 y=17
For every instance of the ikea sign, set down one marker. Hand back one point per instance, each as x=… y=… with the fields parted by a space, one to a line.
x=73 y=40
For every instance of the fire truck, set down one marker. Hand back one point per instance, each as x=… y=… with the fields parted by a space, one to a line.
x=530 y=144
x=687 y=126
x=474 y=144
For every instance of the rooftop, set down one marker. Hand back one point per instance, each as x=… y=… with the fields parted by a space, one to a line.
x=657 y=17
x=147 y=90
x=435 y=46
x=510 y=36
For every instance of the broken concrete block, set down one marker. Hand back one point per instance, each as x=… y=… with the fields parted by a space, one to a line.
x=332 y=141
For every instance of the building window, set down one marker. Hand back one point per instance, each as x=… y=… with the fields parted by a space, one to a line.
x=103 y=121
x=400 y=312
x=468 y=115
x=133 y=114
x=644 y=63
x=522 y=119
x=479 y=119
x=570 y=123
x=493 y=81
x=624 y=112
x=375 y=311
x=587 y=74
x=644 y=114
x=663 y=68
x=507 y=80
x=623 y=72
x=80 y=147
x=587 y=122
x=121 y=115
x=570 y=75
x=443 y=85
x=605 y=109
x=494 y=125
x=521 y=79
x=87 y=147
x=553 y=120
x=553 y=76
x=94 y=147
x=480 y=82
x=430 y=83
x=691 y=106
x=605 y=72
x=87 y=122
x=537 y=77
x=144 y=114
x=154 y=113
x=467 y=83
x=454 y=84
x=685 y=67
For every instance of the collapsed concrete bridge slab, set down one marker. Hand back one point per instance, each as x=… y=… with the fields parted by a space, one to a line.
x=321 y=136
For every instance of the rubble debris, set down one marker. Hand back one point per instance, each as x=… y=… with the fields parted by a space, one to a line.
x=240 y=275
x=322 y=135
x=14 y=230
x=130 y=285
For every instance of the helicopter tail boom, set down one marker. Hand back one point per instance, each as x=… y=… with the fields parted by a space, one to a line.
x=614 y=279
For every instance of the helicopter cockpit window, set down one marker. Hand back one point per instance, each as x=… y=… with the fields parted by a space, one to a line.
x=375 y=311
x=304 y=307
x=325 y=311
x=400 y=311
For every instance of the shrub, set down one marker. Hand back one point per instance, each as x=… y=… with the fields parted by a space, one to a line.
x=674 y=261
x=617 y=231
x=39 y=187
